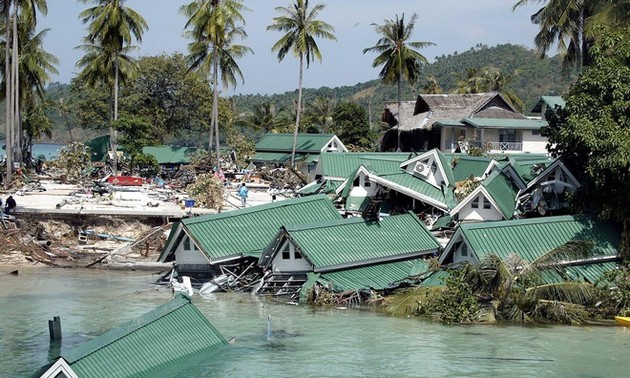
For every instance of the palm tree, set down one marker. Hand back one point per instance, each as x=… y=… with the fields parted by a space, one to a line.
x=564 y=23
x=27 y=9
x=490 y=79
x=301 y=27
x=214 y=26
x=517 y=284
x=113 y=26
x=321 y=113
x=432 y=86
x=266 y=117
x=397 y=55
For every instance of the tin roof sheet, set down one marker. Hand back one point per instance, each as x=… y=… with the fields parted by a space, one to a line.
x=168 y=333
x=306 y=143
x=247 y=231
x=376 y=277
x=170 y=154
x=532 y=238
x=336 y=245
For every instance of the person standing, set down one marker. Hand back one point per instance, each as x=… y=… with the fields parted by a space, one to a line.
x=242 y=192
x=11 y=205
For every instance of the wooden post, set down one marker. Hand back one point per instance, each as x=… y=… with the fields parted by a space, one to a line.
x=54 y=327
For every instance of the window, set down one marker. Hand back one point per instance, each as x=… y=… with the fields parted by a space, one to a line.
x=367 y=184
x=298 y=255
x=486 y=203
x=186 y=243
x=535 y=132
x=475 y=203
x=286 y=255
x=464 y=249
x=508 y=136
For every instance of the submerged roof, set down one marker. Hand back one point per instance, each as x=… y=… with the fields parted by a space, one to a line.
x=376 y=277
x=170 y=154
x=532 y=238
x=171 y=332
x=247 y=231
x=306 y=143
x=346 y=243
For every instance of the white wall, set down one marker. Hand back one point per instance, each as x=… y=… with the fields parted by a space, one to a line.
x=458 y=257
x=192 y=256
x=534 y=143
x=281 y=264
x=366 y=188
x=468 y=213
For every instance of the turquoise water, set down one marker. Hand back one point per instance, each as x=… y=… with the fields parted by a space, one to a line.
x=48 y=150
x=304 y=342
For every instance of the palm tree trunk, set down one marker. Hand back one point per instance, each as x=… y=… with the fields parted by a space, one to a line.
x=112 y=130
x=15 y=76
x=215 y=106
x=399 y=115
x=299 y=111
x=9 y=106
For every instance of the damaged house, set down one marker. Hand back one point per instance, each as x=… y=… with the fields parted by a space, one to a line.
x=274 y=150
x=207 y=246
x=422 y=184
x=532 y=238
x=456 y=122
x=160 y=341
x=346 y=254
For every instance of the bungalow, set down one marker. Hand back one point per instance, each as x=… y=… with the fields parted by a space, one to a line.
x=200 y=246
x=386 y=246
x=160 y=339
x=169 y=158
x=547 y=103
x=493 y=199
x=422 y=183
x=456 y=122
x=275 y=150
x=532 y=238
x=548 y=191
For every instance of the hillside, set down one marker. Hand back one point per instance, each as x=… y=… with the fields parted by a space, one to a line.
x=535 y=77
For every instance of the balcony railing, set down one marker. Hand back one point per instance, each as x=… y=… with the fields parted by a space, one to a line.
x=492 y=146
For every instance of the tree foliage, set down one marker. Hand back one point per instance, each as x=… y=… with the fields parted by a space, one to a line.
x=351 y=125
x=592 y=133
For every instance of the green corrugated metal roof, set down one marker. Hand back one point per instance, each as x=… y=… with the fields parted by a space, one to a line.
x=376 y=277
x=169 y=154
x=98 y=147
x=306 y=143
x=592 y=273
x=470 y=166
x=247 y=231
x=449 y=123
x=283 y=157
x=525 y=167
x=437 y=278
x=506 y=123
x=531 y=238
x=168 y=333
x=502 y=191
x=357 y=203
x=417 y=185
x=312 y=188
x=343 y=164
x=550 y=101
x=340 y=244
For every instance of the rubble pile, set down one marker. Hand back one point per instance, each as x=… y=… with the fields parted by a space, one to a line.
x=282 y=178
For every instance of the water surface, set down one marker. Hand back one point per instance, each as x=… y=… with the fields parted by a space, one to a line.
x=303 y=342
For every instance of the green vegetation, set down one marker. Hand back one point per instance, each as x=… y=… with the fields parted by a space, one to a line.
x=592 y=132
x=301 y=27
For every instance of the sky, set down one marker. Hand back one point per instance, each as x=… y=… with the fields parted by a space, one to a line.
x=453 y=25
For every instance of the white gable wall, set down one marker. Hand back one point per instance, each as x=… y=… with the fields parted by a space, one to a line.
x=188 y=253
x=287 y=259
x=366 y=187
x=479 y=209
x=434 y=176
x=464 y=254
